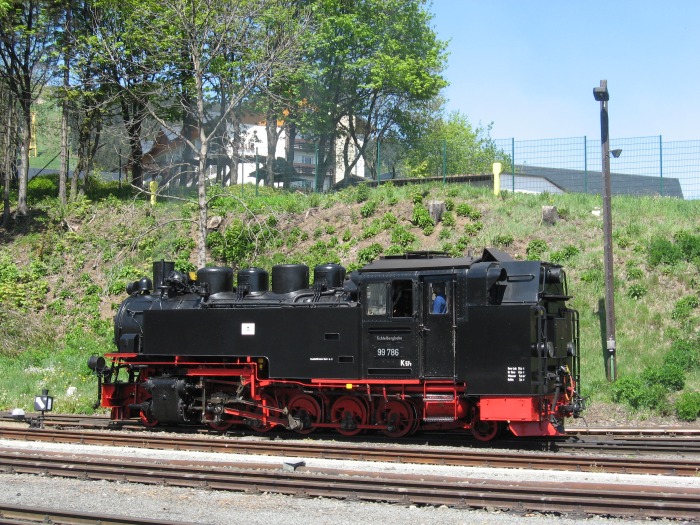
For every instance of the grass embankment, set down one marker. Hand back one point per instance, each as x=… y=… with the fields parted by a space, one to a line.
x=63 y=271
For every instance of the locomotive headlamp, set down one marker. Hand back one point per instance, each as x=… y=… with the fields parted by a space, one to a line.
x=96 y=363
x=554 y=276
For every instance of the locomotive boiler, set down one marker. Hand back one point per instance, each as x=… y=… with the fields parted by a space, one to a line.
x=420 y=341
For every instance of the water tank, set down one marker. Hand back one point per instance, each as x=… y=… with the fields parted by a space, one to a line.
x=329 y=275
x=288 y=278
x=161 y=269
x=254 y=279
x=219 y=279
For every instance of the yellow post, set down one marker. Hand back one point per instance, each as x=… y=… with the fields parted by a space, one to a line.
x=33 y=152
x=153 y=187
x=497 y=178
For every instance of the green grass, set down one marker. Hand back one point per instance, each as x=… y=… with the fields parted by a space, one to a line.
x=113 y=238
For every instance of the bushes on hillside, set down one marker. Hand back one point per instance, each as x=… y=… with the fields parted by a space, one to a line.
x=651 y=389
x=688 y=406
x=684 y=247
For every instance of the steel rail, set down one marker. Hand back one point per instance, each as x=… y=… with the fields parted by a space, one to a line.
x=345 y=451
x=578 y=498
x=20 y=515
x=96 y=421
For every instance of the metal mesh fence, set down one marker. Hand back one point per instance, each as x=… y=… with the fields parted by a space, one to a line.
x=639 y=166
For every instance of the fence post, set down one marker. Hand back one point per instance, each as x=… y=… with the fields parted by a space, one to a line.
x=379 y=166
x=585 y=164
x=257 y=173
x=316 y=169
x=661 y=165
x=512 y=164
x=444 y=161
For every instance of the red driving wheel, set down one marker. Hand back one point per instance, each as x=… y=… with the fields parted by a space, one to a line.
x=306 y=410
x=350 y=412
x=398 y=416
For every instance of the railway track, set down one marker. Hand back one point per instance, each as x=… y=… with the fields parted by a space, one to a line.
x=399 y=454
x=19 y=515
x=671 y=440
x=579 y=498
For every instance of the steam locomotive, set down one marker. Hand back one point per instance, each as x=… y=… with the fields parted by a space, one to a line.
x=420 y=341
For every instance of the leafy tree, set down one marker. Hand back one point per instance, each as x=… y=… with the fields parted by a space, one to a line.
x=26 y=60
x=373 y=59
x=467 y=150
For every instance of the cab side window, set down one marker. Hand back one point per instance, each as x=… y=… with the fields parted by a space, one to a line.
x=440 y=302
x=376 y=298
x=402 y=298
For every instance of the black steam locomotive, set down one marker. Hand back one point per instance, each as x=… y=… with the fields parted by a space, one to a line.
x=418 y=341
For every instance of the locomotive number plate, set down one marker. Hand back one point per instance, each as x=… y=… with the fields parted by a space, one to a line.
x=391 y=353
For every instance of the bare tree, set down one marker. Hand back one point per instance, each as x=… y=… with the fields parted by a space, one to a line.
x=213 y=39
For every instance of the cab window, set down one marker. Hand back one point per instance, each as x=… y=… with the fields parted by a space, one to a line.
x=439 y=298
x=376 y=299
x=402 y=298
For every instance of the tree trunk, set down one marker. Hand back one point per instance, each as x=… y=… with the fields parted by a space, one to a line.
x=291 y=131
x=22 y=207
x=63 y=174
x=7 y=163
x=202 y=203
x=272 y=136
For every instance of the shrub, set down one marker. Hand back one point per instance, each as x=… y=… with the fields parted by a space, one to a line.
x=370 y=253
x=444 y=234
x=637 y=291
x=448 y=220
x=464 y=210
x=629 y=389
x=683 y=354
x=368 y=208
x=389 y=219
x=669 y=376
x=374 y=228
x=421 y=218
x=564 y=254
x=42 y=186
x=592 y=276
x=503 y=240
x=402 y=237
x=473 y=228
x=689 y=244
x=688 y=406
x=662 y=251
x=536 y=249
x=362 y=192
x=685 y=306
x=634 y=273
x=417 y=196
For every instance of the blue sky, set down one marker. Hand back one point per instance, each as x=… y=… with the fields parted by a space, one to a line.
x=530 y=66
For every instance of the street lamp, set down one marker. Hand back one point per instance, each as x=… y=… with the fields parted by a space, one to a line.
x=602 y=95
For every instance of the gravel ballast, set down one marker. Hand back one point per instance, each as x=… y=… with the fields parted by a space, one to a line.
x=214 y=507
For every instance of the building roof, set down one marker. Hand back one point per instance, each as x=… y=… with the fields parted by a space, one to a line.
x=579 y=181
